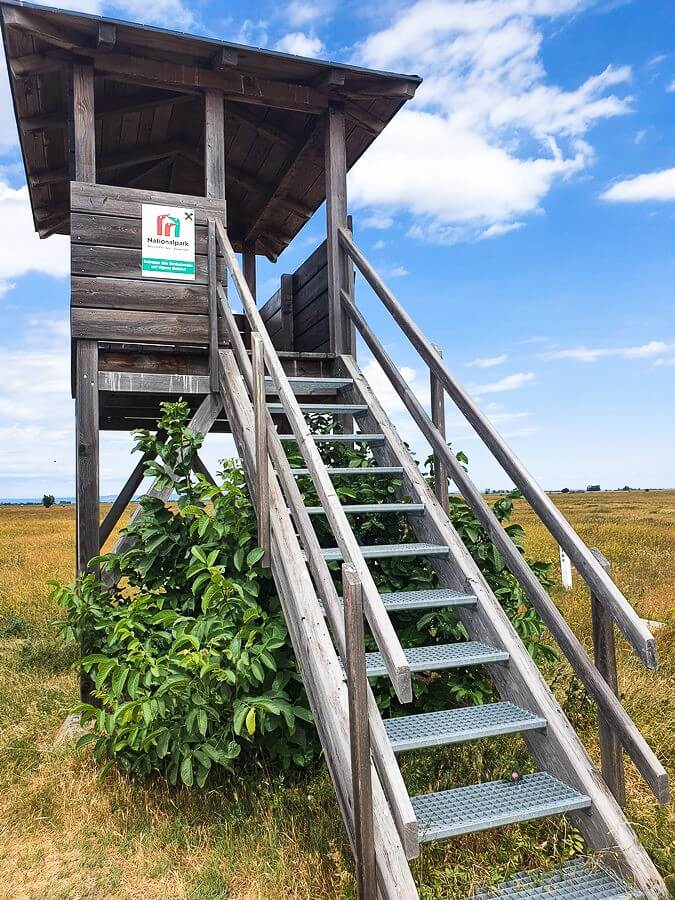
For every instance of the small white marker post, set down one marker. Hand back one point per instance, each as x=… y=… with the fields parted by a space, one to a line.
x=565 y=570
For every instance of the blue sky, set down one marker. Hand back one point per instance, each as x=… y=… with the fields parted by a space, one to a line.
x=521 y=207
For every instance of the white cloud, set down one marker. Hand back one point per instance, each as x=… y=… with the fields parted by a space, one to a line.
x=508 y=383
x=651 y=186
x=21 y=250
x=671 y=87
x=379 y=245
x=299 y=14
x=670 y=361
x=487 y=136
x=300 y=44
x=378 y=220
x=487 y=362
x=591 y=354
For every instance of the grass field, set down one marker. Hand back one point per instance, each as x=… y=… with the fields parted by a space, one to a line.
x=63 y=834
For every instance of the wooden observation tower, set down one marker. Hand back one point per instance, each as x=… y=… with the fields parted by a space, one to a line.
x=163 y=156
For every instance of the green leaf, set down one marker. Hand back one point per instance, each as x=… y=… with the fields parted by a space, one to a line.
x=254 y=556
x=250 y=721
x=186 y=771
x=238 y=559
x=202 y=721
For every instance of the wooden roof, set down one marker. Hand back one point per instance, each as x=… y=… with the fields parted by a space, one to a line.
x=150 y=122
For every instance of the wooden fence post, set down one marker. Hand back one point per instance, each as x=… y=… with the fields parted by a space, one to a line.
x=604 y=652
x=438 y=418
x=261 y=454
x=359 y=734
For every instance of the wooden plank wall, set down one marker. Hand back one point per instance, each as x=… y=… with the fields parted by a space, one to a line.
x=296 y=316
x=110 y=300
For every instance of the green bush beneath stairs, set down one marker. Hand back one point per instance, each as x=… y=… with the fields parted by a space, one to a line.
x=189 y=654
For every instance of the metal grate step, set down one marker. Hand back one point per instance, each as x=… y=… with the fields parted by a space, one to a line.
x=387 y=551
x=573 y=881
x=357 y=470
x=307 y=385
x=440 y=656
x=339 y=438
x=327 y=409
x=354 y=508
x=399 y=601
x=452 y=726
x=493 y=804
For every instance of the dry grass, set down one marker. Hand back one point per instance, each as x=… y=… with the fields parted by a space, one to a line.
x=63 y=834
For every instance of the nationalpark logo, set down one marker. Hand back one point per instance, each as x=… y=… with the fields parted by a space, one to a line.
x=168 y=226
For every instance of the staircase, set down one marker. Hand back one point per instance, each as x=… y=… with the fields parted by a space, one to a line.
x=566 y=781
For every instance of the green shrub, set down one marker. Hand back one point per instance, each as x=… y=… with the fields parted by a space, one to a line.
x=192 y=667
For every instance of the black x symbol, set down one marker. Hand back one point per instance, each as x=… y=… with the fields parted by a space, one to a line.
x=188 y=217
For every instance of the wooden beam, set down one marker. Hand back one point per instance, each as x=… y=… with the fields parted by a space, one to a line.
x=336 y=217
x=66 y=38
x=225 y=58
x=38 y=64
x=438 y=418
x=214 y=144
x=286 y=291
x=116 y=106
x=213 y=307
x=331 y=79
x=124 y=498
x=84 y=134
x=294 y=161
x=107 y=36
x=125 y=160
x=368 y=120
x=380 y=87
x=235 y=86
x=266 y=129
x=262 y=493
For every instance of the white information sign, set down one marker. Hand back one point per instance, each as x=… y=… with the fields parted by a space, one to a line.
x=168 y=242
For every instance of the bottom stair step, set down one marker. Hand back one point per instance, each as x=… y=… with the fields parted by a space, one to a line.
x=493 y=804
x=452 y=726
x=576 y=880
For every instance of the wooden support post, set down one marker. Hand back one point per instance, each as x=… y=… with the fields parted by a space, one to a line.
x=286 y=300
x=213 y=305
x=438 y=418
x=214 y=188
x=339 y=265
x=84 y=134
x=214 y=144
x=604 y=652
x=86 y=471
x=249 y=261
x=261 y=455
x=359 y=734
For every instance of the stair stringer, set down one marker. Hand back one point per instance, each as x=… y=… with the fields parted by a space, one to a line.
x=558 y=750
x=323 y=676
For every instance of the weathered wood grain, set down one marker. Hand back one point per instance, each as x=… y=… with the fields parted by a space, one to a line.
x=604 y=654
x=148 y=294
x=123 y=262
x=359 y=733
x=143 y=327
x=121 y=201
x=438 y=418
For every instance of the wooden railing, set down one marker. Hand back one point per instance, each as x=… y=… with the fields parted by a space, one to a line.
x=601 y=585
x=383 y=756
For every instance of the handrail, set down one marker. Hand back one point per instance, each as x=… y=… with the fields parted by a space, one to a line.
x=633 y=628
x=383 y=755
x=378 y=619
x=635 y=744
